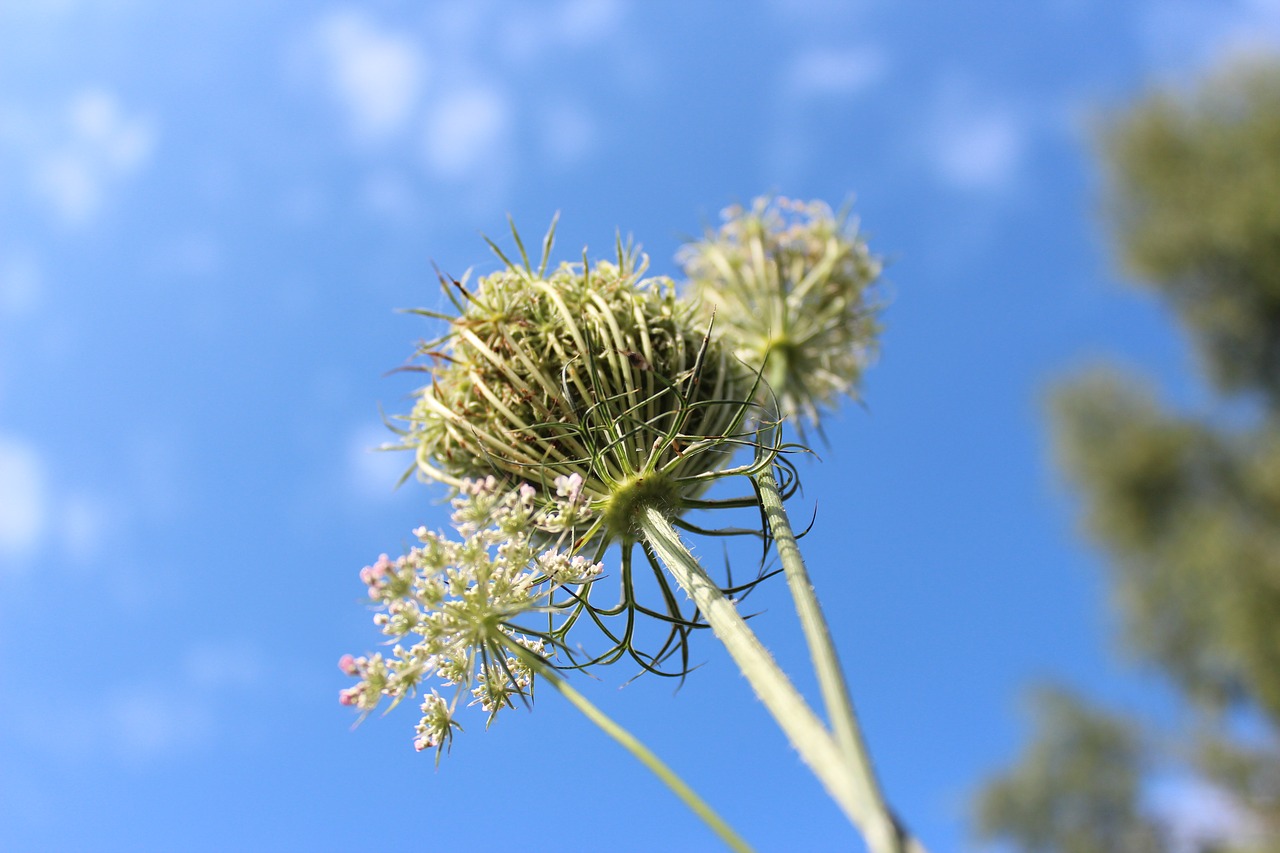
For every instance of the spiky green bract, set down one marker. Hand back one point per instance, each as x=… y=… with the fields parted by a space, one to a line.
x=593 y=374
x=789 y=282
x=600 y=388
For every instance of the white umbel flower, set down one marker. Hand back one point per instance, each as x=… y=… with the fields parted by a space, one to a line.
x=789 y=282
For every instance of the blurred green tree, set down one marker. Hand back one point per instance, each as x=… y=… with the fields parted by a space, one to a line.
x=1078 y=786
x=1187 y=507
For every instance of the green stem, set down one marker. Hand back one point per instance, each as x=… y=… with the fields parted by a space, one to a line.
x=831 y=681
x=641 y=752
x=806 y=732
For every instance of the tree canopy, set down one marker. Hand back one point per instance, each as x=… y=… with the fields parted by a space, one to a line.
x=1185 y=505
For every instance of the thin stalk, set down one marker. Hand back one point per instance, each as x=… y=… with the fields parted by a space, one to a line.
x=831 y=680
x=803 y=728
x=641 y=752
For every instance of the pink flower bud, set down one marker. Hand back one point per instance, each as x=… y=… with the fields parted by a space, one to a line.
x=347 y=664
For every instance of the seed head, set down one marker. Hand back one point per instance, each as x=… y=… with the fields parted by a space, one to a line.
x=788 y=281
x=592 y=378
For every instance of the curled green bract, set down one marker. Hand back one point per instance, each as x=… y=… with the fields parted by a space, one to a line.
x=591 y=375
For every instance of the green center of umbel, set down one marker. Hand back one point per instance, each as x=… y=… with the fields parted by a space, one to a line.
x=635 y=494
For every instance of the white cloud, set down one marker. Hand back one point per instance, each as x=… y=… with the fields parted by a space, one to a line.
x=465 y=120
x=821 y=71
x=541 y=30
x=148 y=720
x=59 y=10
x=86 y=152
x=825 y=12
x=216 y=666
x=22 y=498
x=99 y=146
x=156 y=479
x=569 y=134
x=377 y=74
x=980 y=151
x=389 y=195
x=134 y=723
x=467 y=134
x=20 y=286
x=147 y=723
x=1186 y=35
x=83 y=523
x=195 y=254
x=372 y=473
x=579 y=22
x=1199 y=815
x=975 y=144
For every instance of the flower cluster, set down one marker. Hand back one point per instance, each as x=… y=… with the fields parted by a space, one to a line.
x=608 y=398
x=590 y=370
x=449 y=605
x=788 y=281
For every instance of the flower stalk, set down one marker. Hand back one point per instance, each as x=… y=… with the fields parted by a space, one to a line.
x=614 y=404
x=450 y=605
x=642 y=753
x=803 y=728
x=826 y=664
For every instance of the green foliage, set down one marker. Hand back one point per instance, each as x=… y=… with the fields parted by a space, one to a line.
x=1188 y=509
x=1194 y=187
x=1191 y=515
x=1076 y=788
x=1252 y=777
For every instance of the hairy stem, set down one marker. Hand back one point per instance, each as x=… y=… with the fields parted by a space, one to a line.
x=803 y=728
x=831 y=681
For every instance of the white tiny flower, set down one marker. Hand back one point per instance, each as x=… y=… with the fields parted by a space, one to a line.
x=450 y=606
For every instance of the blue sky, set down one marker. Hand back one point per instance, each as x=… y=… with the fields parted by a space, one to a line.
x=208 y=214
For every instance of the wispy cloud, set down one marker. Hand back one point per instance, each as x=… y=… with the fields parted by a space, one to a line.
x=372 y=473
x=1200 y=816
x=817 y=72
x=530 y=34
x=808 y=12
x=569 y=133
x=581 y=22
x=78 y=157
x=149 y=720
x=376 y=74
x=194 y=254
x=1186 y=35
x=812 y=80
x=83 y=522
x=20 y=285
x=448 y=85
x=975 y=143
x=23 y=500
x=388 y=194
x=223 y=665
x=40 y=515
x=467 y=133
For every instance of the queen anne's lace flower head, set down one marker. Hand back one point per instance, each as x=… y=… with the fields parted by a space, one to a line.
x=449 y=607
x=789 y=283
x=591 y=375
